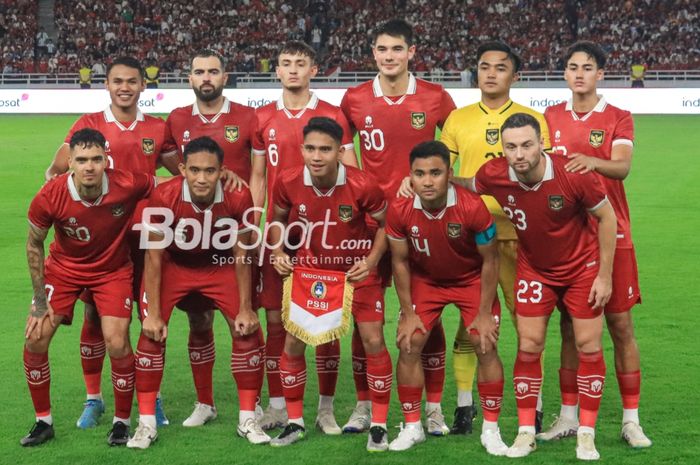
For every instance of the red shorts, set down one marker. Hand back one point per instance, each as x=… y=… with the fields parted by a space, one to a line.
x=368 y=300
x=111 y=293
x=269 y=287
x=429 y=300
x=625 y=293
x=534 y=297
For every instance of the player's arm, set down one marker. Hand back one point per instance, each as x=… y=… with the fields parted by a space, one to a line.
x=607 y=240
x=170 y=162
x=360 y=270
x=467 y=183
x=247 y=320
x=618 y=167
x=153 y=325
x=485 y=322
x=40 y=308
x=348 y=157
x=59 y=165
x=258 y=183
x=409 y=322
x=280 y=260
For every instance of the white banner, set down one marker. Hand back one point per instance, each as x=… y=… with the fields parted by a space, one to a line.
x=79 y=101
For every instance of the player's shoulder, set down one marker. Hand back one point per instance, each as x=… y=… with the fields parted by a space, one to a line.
x=358 y=176
x=467 y=111
x=465 y=196
x=403 y=206
x=239 y=109
x=423 y=86
x=615 y=112
x=181 y=112
x=238 y=196
x=556 y=109
x=53 y=187
x=360 y=90
x=266 y=112
x=494 y=167
x=326 y=107
x=291 y=174
x=153 y=121
x=92 y=119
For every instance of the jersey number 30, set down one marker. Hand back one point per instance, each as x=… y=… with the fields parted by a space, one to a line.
x=372 y=140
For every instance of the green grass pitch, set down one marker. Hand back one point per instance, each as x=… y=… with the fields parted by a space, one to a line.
x=663 y=191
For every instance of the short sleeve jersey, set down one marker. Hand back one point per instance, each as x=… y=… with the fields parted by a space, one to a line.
x=390 y=127
x=442 y=246
x=89 y=236
x=595 y=134
x=231 y=128
x=341 y=234
x=555 y=234
x=133 y=146
x=473 y=136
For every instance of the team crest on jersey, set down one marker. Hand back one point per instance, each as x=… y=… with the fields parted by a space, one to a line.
x=118 y=210
x=454 y=229
x=231 y=133
x=492 y=136
x=345 y=213
x=596 y=138
x=318 y=290
x=418 y=119
x=148 y=146
x=556 y=202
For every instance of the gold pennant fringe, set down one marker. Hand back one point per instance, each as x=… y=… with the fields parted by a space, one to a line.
x=327 y=336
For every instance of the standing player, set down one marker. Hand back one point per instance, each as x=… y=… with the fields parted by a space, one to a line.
x=135 y=143
x=276 y=146
x=443 y=224
x=392 y=114
x=348 y=196
x=472 y=136
x=597 y=136
x=231 y=126
x=90 y=210
x=207 y=260
x=559 y=264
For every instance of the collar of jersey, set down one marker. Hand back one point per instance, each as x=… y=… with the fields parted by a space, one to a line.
x=76 y=196
x=548 y=174
x=187 y=197
x=451 y=202
x=110 y=118
x=312 y=104
x=225 y=108
x=500 y=110
x=598 y=108
x=340 y=181
x=377 y=89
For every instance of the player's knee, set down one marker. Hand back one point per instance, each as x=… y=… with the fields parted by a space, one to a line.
x=373 y=343
x=588 y=345
x=273 y=317
x=201 y=321
x=531 y=343
x=117 y=343
x=37 y=346
x=621 y=329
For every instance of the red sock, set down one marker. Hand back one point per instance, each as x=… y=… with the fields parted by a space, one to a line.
x=433 y=359
x=36 y=369
x=630 y=386
x=327 y=363
x=273 y=352
x=359 y=367
x=410 y=398
x=123 y=374
x=150 y=359
x=527 y=381
x=247 y=367
x=92 y=355
x=591 y=379
x=491 y=397
x=202 y=356
x=568 y=386
x=293 y=377
x=379 y=378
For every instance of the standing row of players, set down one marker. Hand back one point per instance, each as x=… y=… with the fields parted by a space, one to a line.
x=392 y=114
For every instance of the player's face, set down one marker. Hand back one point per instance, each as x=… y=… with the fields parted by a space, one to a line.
x=582 y=73
x=321 y=154
x=295 y=71
x=207 y=78
x=392 y=55
x=88 y=165
x=495 y=73
x=523 y=149
x=430 y=177
x=202 y=171
x=125 y=85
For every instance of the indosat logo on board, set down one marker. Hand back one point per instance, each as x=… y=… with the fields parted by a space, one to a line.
x=151 y=102
x=14 y=102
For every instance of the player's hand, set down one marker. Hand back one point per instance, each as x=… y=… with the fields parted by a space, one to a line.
x=246 y=322
x=601 y=290
x=232 y=182
x=487 y=326
x=409 y=323
x=359 y=271
x=282 y=263
x=406 y=189
x=155 y=328
x=579 y=163
x=35 y=321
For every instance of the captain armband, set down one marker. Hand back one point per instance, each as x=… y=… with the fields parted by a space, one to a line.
x=486 y=236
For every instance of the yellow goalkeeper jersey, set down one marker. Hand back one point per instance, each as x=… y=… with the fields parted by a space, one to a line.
x=472 y=134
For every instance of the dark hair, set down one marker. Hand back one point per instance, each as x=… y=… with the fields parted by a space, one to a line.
x=129 y=62
x=396 y=28
x=204 y=144
x=326 y=126
x=431 y=148
x=86 y=138
x=496 y=46
x=520 y=120
x=207 y=53
x=589 y=48
x=297 y=47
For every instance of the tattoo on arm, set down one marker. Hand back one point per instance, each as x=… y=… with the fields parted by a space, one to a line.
x=35 y=259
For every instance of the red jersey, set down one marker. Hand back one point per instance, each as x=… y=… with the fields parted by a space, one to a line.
x=218 y=224
x=555 y=237
x=134 y=147
x=89 y=236
x=595 y=134
x=341 y=235
x=389 y=128
x=443 y=237
x=231 y=128
x=279 y=135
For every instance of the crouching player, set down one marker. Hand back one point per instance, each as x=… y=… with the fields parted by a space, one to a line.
x=205 y=257
x=444 y=251
x=326 y=192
